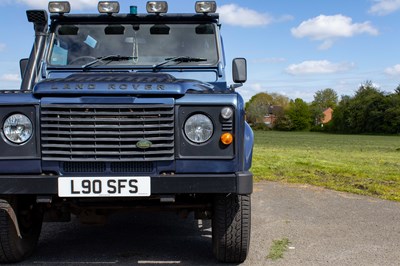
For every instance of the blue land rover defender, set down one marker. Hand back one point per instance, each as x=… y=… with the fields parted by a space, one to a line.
x=125 y=111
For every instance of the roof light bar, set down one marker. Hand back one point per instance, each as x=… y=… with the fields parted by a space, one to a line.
x=60 y=7
x=206 y=7
x=157 y=7
x=109 y=7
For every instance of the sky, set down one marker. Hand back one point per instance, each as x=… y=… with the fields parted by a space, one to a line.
x=293 y=47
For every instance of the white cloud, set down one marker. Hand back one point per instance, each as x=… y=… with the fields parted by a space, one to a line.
x=2 y=47
x=384 y=7
x=318 y=67
x=10 y=77
x=393 y=71
x=329 y=28
x=75 y=4
x=236 y=15
x=241 y=16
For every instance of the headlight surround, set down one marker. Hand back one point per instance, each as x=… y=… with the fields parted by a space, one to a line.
x=18 y=128
x=198 y=128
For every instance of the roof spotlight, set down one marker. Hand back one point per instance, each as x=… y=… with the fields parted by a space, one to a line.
x=109 y=7
x=157 y=7
x=60 y=7
x=206 y=7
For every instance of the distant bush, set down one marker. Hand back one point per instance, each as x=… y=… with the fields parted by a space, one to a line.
x=370 y=111
x=322 y=127
x=283 y=123
x=317 y=128
x=260 y=127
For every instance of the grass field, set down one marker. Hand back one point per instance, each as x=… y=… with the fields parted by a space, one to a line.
x=367 y=165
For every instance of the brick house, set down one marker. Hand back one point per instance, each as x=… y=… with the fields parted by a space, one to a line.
x=327 y=115
x=273 y=112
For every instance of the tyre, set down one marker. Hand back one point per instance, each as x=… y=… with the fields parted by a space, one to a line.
x=231 y=223
x=30 y=218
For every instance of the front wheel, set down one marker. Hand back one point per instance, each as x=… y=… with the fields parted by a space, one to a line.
x=231 y=223
x=14 y=248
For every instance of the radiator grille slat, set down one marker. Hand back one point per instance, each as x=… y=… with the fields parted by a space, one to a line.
x=103 y=139
x=85 y=146
x=110 y=126
x=105 y=132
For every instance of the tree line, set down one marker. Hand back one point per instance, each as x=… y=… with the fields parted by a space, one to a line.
x=370 y=110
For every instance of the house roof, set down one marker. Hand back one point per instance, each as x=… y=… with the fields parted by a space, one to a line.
x=275 y=109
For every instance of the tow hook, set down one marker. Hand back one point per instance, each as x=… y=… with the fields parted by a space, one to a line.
x=4 y=205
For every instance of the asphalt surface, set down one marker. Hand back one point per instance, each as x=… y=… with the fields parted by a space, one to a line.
x=323 y=226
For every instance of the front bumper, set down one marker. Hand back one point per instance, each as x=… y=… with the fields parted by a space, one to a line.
x=238 y=183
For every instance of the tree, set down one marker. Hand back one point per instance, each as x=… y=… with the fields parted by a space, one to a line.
x=392 y=114
x=280 y=100
x=367 y=110
x=323 y=99
x=299 y=114
x=258 y=105
x=284 y=123
x=397 y=90
x=340 y=121
x=326 y=98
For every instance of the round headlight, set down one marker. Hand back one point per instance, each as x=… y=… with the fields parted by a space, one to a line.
x=17 y=128
x=199 y=128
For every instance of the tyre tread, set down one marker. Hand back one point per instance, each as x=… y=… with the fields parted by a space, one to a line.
x=12 y=248
x=231 y=227
x=7 y=253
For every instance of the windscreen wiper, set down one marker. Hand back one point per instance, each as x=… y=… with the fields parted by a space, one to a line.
x=107 y=58
x=179 y=59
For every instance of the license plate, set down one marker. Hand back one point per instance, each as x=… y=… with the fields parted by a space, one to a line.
x=104 y=186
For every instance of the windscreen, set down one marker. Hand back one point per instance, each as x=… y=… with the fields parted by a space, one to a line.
x=137 y=45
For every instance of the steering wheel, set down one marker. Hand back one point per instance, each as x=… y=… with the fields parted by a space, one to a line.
x=83 y=58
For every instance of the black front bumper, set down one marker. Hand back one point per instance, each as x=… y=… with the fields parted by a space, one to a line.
x=238 y=183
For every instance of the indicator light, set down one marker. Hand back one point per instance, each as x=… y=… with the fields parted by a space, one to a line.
x=227 y=138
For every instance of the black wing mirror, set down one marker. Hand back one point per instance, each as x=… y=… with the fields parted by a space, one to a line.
x=23 y=63
x=239 y=70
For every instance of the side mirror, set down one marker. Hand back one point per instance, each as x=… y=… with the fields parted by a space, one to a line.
x=239 y=70
x=23 y=63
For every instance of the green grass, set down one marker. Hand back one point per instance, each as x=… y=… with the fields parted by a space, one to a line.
x=278 y=248
x=367 y=165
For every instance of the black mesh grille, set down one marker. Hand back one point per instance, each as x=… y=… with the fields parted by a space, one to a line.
x=103 y=167
x=87 y=167
x=37 y=16
x=132 y=167
x=95 y=132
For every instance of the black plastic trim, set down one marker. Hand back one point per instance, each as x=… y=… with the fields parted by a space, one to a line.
x=239 y=183
x=27 y=150
x=150 y=18
x=212 y=148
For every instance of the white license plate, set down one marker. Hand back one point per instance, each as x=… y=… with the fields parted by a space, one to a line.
x=104 y=186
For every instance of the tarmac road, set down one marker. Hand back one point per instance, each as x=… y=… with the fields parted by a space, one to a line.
x=323 y=226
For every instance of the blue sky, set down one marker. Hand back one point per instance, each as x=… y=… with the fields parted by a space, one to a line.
x=293 y=47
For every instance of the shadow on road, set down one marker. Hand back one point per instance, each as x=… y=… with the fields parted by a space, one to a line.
x=128 y=239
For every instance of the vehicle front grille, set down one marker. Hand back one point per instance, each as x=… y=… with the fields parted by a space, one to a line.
x=105 y=132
